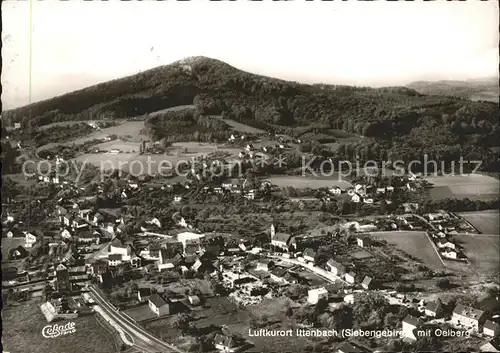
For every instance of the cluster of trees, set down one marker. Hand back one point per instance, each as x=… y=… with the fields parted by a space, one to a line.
x=458 y=205
x=186 y=125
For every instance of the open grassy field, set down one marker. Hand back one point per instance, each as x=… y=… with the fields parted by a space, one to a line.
x=312 y=182
x=473 y=186
x=108 y=161
x=416 y=244
x=239 y=127
x=482 y=251
x=487 y=222
x=124 y=146
x=22 y=333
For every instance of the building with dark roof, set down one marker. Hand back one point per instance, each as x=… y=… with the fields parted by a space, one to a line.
x=158 y=305
x=467 y=317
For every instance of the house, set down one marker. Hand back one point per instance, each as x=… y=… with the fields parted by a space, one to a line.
x=278 y=273
x=350 y=277
x=280 y=240
x=445 y=243
x=114 y=260
x=154 y=221
x=450 y=254
x=159 y=306
x=346 y=347
x=389 y=188
x=224 y=343
x=380 y=191
x=349 y=299
x=249 y=148
x=467 y=317
x=435 y=216
x=79 y=223
x=265 y=265
x=355 y=198
x=309 y=255
x=65 y=234
x=410 y=324
x=491 y=328
x=335 y=190
x=364 y=241
x=367 y=282
x=370 y=201
x=314 y=295
x=194 y=300
x=434 y=309
x=177 y=198
x=143 y=294
x=18 y=253
x=334 y=267
x=31 y=238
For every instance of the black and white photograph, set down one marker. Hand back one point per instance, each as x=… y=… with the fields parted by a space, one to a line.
x=250 y=176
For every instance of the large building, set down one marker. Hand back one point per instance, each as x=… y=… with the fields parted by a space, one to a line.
x=280 y=240
x=467 y=317
x=315 y=295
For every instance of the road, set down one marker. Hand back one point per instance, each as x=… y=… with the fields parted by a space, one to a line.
x=330 y=277
x=143 y=340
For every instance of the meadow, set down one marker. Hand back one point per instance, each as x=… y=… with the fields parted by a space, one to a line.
x=22 y=332
x=312 y=182
x=487 y=222
x=481 y=251
x=124 y=146
x=473 y=186
x=239 y=127
x=416 y=244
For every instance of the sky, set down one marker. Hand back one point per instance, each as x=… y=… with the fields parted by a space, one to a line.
x=76 y=44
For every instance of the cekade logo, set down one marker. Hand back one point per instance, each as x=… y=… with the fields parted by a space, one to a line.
x=53 y=331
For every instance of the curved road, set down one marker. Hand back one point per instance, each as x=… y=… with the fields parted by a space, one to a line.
x=143 y=340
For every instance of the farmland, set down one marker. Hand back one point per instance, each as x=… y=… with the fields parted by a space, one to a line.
x=23 y=326
x=473 y=186
x=487 y=222
x=124 y=146
x=416 y=244
x=239 y=127
x=309 y=181
x=481 y=251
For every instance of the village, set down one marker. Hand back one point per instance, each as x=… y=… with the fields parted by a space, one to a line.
x=154 y=271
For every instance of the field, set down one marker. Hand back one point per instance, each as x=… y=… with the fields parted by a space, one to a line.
x=416 y=244
x=149 y=163
x=487 y=222
x=473 y=186
x=309 y=181
x=482 y=252
x=22 y=333
x=140 y=313
x=239 y=127
x=124 y=146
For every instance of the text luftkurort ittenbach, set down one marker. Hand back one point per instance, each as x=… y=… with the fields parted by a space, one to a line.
x=345 y=333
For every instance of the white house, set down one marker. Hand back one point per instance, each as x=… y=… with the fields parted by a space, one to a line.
x=349 y=299
x=335 y=191
x=157 y=305
x=380 y=190
x=154 y=221
x=30 y=239
x=410 y=324
x=314 y=295
x=224 y=343
x=444 y=243
x=467 y=317
x=355 y=198
x=450 y=254
x=369 y=201
x=335 y=268
x=65 y=234
x=350 y=277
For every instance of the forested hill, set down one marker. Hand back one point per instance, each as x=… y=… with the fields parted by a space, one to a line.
x=399 y=116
